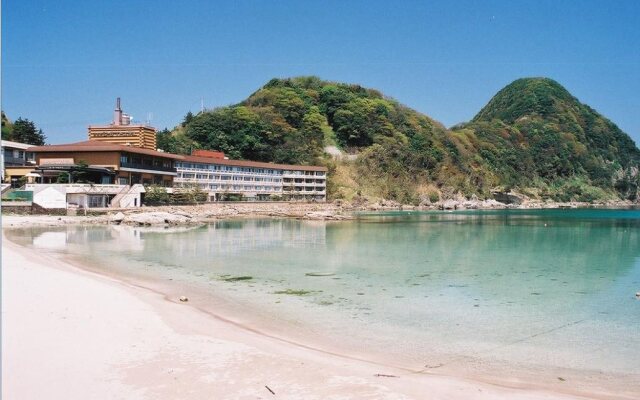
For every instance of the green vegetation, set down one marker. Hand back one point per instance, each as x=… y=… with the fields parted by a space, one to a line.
x=533 y=137
x=534 y=134
x=7 y=127
x=157 y=195
x=190 y=195
x=22 y=131
x=175 y=142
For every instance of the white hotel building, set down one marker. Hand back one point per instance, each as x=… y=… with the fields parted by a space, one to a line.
x=231 y=179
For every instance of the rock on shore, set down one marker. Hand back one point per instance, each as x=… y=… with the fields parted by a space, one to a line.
x=157 y=218
x=338 y=210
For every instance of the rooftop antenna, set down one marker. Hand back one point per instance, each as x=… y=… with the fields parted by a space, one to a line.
x=149 y=118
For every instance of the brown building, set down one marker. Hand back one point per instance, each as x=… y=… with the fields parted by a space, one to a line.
x=127 y=165
x=122 y=131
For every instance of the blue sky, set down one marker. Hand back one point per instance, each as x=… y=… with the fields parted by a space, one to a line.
x=65 y=62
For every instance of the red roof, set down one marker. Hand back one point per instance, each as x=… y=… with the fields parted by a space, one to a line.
x=96 y=145
x=208 y=153
x=257 y=164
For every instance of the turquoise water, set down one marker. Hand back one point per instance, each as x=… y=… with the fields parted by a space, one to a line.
x=544 y=290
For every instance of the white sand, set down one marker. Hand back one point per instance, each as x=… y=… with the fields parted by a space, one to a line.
x=71 y=334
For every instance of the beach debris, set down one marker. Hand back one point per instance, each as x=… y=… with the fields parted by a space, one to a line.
x=326 y=215
x=293 y=292
x=184 y=299
x=385 y=376
x=269 y=389
x=237 y=278
x=319 y=274
x=561 y=379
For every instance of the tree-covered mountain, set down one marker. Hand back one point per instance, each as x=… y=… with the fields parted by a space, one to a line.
x=534 y=134
x=533 y=137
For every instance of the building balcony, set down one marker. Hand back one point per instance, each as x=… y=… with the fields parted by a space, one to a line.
x=147 y=167
x=225 y=181
x=16 y=161
x=217 y=171
x=301 y=184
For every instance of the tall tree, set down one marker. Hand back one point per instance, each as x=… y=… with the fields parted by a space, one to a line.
x=25 y=131
x=187 y=119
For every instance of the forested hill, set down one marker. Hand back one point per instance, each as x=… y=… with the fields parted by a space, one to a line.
x=533 y=137
x=534 y=134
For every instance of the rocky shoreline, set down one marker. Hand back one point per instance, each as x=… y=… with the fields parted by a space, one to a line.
x=333 y=211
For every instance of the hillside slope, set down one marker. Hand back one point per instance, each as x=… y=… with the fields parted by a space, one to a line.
x=532 y=137
x=534 y=134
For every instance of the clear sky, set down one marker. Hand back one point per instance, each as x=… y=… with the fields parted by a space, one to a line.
x=64 y=62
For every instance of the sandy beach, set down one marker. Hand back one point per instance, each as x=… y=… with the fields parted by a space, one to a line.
x=69 y=333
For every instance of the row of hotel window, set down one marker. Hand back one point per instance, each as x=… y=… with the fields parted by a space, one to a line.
x=255 y=188
x=226 y=177
x=186 y=175
x=214 y=167
x=150 y=162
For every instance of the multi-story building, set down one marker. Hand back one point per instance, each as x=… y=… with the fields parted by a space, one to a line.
x=115 y=163
x=16 y=154
x=125 y=154
x=17 y=162
x=122 y=131
x=227 y=179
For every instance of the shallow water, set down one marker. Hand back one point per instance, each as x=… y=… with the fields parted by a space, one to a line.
x=540 y=290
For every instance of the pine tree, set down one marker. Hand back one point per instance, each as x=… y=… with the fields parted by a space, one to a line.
x=187 y=119
x=25 y=131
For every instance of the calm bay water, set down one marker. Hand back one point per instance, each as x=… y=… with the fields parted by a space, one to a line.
x=537 y=290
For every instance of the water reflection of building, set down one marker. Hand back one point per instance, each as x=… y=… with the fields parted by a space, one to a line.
x=60 y=238
x=239 y=236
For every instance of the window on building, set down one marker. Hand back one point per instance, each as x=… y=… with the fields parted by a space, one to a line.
x=94 y=201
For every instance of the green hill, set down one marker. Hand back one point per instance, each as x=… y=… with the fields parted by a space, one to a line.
x=533 y=137
x=534 y=134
